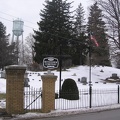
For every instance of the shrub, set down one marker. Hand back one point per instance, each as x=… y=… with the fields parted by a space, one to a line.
x=69 y=90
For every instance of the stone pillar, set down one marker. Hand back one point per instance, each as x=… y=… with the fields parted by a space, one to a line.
x=48 y=92
x=15 y=89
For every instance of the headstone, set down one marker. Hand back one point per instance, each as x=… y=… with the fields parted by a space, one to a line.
x=26 y=82
x=101 y=70
x=38 y=74
x=114 y=76
x=74 y=74
x=78 y=79
x=104 y=82
x=3 y=74
x=118 y=82
x=84 y=80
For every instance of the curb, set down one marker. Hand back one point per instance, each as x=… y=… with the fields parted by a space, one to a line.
x=57 y=113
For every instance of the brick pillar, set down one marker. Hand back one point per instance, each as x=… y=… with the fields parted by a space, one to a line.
x=15 y=89
x=48 y=92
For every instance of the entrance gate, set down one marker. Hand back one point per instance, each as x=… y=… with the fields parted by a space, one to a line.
x=32 y=99
x=19 y=99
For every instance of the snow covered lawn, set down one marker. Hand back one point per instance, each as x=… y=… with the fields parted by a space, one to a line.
x=98 y=76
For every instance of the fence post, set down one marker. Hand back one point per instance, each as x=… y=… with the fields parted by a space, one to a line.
x=118 y=93
x=48 y=92
x=90 y=93
x=15 y=89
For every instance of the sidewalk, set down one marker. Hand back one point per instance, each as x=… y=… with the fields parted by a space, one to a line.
x=54 y=113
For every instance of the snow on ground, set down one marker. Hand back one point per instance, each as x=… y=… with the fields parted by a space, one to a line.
x=78 y=72
x=2 y=85
x=74 y=73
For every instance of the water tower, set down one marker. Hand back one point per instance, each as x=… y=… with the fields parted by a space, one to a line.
x=17 y=33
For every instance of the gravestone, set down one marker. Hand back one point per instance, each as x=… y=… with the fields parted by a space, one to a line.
x=38 y=74
x=84 y=80
x=26 y=84
x=78 y=79
x=114 y=76
x=3 y=74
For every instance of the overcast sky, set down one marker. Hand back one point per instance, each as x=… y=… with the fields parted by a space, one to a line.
x=28 y=11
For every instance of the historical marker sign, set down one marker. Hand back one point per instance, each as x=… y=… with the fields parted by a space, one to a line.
x=50 y=62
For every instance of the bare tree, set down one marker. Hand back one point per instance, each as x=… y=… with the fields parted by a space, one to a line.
x=28 y=49
x=111 y=9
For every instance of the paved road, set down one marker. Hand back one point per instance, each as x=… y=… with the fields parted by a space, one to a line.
x=104 y=115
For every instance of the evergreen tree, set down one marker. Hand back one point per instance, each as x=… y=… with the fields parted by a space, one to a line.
x=80 y=47
x=6 y=54
x=80 y=20
x=100 y=54
x=55 y=29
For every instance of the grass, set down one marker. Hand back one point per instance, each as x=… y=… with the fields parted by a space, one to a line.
x=2 y=96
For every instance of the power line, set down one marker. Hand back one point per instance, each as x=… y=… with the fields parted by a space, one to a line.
x=15 y=17
x=6 y=19
x=33 y=28
x=74 y=40
x=12 y=21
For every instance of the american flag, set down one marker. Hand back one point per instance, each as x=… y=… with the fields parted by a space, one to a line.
x=94 y=40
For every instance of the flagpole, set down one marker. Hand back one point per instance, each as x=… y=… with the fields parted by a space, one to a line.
x=91 y=38
x=90 y=82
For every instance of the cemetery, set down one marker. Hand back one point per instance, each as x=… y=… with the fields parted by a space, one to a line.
x=33 y=86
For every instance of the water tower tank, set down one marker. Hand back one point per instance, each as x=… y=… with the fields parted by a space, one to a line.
x=18 y=27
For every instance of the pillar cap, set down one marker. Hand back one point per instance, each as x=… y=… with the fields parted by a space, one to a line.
x=16 y=67
x=48 y=76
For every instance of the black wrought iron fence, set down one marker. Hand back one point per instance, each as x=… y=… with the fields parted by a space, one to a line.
x=88 y=98
x=104 y=97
